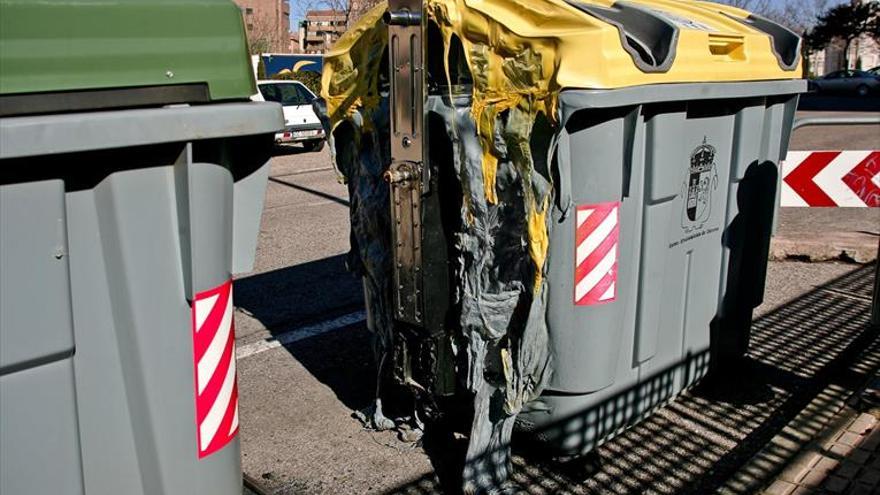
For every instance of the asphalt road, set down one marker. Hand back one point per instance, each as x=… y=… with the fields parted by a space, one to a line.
x=296 y=399
x=825 y=102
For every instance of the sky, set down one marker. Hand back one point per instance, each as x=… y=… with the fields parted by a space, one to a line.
x=298 y=8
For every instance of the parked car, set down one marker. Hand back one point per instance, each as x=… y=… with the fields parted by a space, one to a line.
x=857 y=82
x=301 y=123
x=875 y=71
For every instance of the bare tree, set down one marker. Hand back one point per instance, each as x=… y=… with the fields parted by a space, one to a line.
x=801 y=15
x=358 y=8
x=352 y=9
x=761 y=7
x=845 y=23
x=797 y=15
x=343 y=6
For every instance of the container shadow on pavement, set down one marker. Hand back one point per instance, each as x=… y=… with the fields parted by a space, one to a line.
x=300 y=294
x=287 y=150
x=289 y=298
x=309 y=190
x=699 y=442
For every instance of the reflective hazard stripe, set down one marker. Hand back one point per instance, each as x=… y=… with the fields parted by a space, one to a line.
x=596 y=253
x=216 y=388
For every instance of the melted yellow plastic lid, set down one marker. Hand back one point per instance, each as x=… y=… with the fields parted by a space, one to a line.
x=522 y=53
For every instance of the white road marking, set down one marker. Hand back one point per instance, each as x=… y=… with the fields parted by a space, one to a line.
x=304 y=171
x=301 y=333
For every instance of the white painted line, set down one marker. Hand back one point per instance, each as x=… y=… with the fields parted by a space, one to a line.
x=301 y=333
x=303 y=171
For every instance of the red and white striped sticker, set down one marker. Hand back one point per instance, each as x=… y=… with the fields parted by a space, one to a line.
x=831 y=178
x=216 y=387
x=596 y=253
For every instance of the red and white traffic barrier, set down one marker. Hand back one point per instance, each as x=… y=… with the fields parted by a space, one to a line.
x=214 y=369
x=831 y=178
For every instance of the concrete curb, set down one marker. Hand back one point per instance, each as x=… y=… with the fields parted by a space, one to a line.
x=860 y=247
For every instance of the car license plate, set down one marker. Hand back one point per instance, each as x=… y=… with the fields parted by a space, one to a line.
x=299 y=134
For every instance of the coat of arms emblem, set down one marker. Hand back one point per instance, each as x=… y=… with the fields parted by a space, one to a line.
x=702 y=179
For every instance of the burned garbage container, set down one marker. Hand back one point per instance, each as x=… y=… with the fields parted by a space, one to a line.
x=132 y=175
x=558 y=205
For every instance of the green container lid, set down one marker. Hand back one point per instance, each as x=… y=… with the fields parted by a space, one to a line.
x=168 y=47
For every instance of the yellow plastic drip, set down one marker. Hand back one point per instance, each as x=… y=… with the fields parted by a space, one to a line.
x=350 y=79
x=510 y=73
x=539 y=240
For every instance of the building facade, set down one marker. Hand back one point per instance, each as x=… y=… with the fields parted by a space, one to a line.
x=267 y=23
x=864 y=53
x=320 y=29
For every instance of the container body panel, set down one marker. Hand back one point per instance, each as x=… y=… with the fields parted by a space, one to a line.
x=148 y=230
x=137 y=319
x=39 y=438
x=38 y=417
x=697 y=183
x=35 y=311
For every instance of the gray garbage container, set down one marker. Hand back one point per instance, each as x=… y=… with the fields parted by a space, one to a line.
x=579 y=204
x=130 y=191
x=662 y=258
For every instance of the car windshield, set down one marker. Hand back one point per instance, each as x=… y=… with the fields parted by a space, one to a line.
x=288 y=94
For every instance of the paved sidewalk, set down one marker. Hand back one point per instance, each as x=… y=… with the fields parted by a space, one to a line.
x=846 y=457
x=827 y=234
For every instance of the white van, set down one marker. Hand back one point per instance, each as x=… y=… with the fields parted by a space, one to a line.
x=301 y=125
